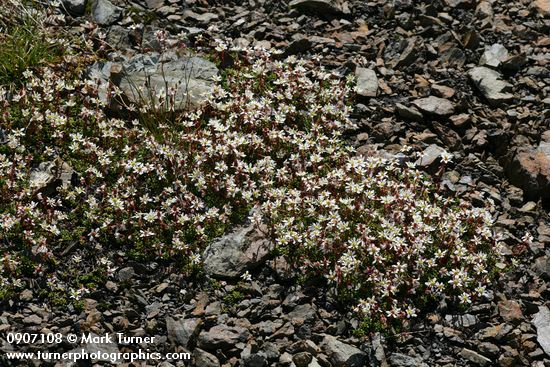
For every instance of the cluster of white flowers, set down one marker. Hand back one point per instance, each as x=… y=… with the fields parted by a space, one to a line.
x=270 y=139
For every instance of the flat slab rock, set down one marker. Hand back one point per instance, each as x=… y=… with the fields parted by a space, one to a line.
x=231 y=255
x=541 y=322
x=342 y=354
x=435 y=106
x=491 y=85
x=222 y=337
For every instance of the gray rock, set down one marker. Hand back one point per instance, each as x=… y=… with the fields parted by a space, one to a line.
x=100 y=72
x=430 y=155
x=378 y=350
x=490 y=84
x=541 y=266
x=26 y=295
x=342 y=354
x=271 y=351
x=204 y=18
x=229 y=256
x=222 y=337
x=541 y=322
x=154 y=4
x=408 y=113
x=146 y=80
x=105 y=13
x=182 y=331
x=118 y=37
x=460 y=321
x=403 y=360
x=435 y=106
x=254 y=360
x=50 y=175
x=126 y=274
x=301 y=314
x=314 y=363
x=367 y=82
x=323 y=7
x=475 y=357
x=100 y=349
x=494 y=55
x=32 y=320
x=408 y=56
x=268 y=327
x=202 y=358
x=74 y=7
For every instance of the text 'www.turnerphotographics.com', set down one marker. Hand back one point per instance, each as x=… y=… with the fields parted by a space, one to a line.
x=108 y=354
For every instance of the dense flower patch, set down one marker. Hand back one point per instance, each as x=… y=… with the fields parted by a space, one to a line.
x=267 y=137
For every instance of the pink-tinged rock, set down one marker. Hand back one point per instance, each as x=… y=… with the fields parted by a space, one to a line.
x=542 y=7
x=510 y=311
x=530 y=170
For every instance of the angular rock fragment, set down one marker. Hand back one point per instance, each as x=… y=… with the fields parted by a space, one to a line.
x=342 y=354
x=408 y=56
x=367 y=82
x=434 y=106
x=205 y=359
x=105 y=13
x=48 y=176
x=541 y=266
x=430 y=155
x=408 y=113
x=222 y=337
x=475 y=357
x=182 y=331
x=403 y=360
x=491 y=85
x=542 y=7
x=510 y=311
x=74 y=7
x=494 y=55
x=530 y=170
x=541 y=322
x=229 y=256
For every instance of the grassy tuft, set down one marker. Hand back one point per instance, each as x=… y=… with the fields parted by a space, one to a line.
x=23 y=45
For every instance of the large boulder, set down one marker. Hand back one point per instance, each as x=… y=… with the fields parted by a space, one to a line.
x=146 y=79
